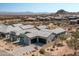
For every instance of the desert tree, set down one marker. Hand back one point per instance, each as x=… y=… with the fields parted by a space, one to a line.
x=62 y=38
x=74 y=42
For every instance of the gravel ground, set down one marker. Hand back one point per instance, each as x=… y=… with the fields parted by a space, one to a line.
x=3 y=53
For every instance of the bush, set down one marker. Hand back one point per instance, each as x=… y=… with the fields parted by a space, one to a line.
x=59 y=45
x=42 y=51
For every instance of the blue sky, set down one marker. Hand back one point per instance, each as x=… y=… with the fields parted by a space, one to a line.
x=38 y=7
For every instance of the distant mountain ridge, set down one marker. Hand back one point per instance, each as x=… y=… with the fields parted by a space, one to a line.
x=21 y=13
x=61 y=11
x=16 y=13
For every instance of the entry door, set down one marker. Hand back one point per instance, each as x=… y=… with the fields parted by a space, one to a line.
x=21 y=40
x=42 y=40
x=3 y=35
x=34 y=40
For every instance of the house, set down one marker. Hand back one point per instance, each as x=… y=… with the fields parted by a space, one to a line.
x=17 y=33
x=24 y=27
x=43 y=36
x=14 y=34
x=74 y=21
x=17 y=25
x=42 y=27
x=25 y=38
x=7 y=31
x=58 y=18
x=58 y=31
x=72 y=17
x=2 y=30
x=27 y=34
x=37 y=37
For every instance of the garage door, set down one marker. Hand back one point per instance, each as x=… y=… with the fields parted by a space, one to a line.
x=21 y=40
x=78 y=22
x=34 y=40
x=42 y=41
x=3 y=35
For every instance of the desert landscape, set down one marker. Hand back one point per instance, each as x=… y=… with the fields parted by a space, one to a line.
x=39 y=34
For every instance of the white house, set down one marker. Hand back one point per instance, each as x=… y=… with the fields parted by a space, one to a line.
x=41 y=36
x=27 y=34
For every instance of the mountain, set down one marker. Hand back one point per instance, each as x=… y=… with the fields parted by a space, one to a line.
x=21 y=13
x=61 y=11
x=16 y=13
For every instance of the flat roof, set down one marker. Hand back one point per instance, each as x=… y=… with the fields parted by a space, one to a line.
x=58 y=30
x=19 y=32
x=33 y=32
x=8 y=28
x=45 y=34
x=17 y=24
x=41 y=33
x=3 y=28
x=74 y=20
x=24 y=27
x=58 y=17
x=42 y=27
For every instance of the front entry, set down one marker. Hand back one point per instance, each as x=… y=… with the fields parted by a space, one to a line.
x=2 y=35
x=34 y=40
x=41 y=40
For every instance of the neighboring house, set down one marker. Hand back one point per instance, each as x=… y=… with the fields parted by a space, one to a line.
x=58 y=18
x=74 y=21
x=42 y=27
x=72 y=17
x=17 y=25
x=58 y=31
x=24 y=27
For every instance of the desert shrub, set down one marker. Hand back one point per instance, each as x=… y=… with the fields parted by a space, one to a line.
x=42 y=51
x=59 y=45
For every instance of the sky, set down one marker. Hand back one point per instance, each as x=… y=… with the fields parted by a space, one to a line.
x=38 y=7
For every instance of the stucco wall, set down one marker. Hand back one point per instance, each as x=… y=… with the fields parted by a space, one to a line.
x=50 y=38
x=25 y=40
